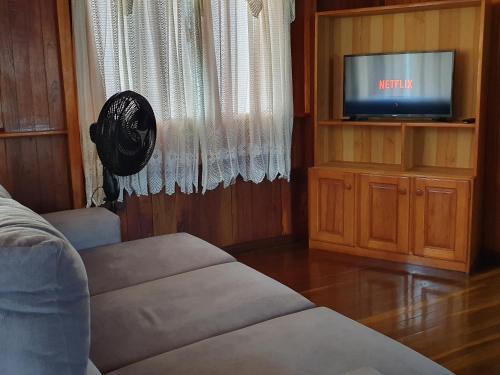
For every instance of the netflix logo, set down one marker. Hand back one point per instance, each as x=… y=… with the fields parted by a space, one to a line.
x=392 y=84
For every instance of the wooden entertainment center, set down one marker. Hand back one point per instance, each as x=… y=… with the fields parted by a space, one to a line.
x=405 y=191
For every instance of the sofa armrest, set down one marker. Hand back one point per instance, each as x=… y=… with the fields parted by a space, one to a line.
x=86 y=228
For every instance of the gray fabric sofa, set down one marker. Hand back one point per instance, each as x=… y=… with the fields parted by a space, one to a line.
x=175 y=304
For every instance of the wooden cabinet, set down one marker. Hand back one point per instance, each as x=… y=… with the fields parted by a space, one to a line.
x=441 y=218
x=418 y=189
x=384 y=206
x=332 y=206
x=405 y=218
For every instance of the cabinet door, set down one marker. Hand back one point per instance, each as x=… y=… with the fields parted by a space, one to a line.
x=331 y=206
x=441 y=218
x=384 y=206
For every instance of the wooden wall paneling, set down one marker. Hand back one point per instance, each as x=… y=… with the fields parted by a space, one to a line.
x=256 y=211
x=52 y=67
x=206 y=215
x=136 y=216
x=8 y=95
x=52 y=160
x=132 y=218
x=24 y=171
x=491 y=231
x=361 y=144
x=439 y=147
x=33 y=168
x=60 y=163
x=70 y=102
x=324 y=65
x=146 y=215
x=299 y=203
x=121 y=211
x=38 y=79
x=34 y=171
x=286 y=208
x=301 y=51
x=20 y=31
x=242 y=208
x=164 y=214
x=5 y=179
x=244 y=212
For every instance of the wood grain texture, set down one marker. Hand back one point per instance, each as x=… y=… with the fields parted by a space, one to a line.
x=35 y=171
x=33 y=145
x=66 y=60
x=360 y=144
x=452 y=318
x=30 y=72
x=243 y=212
x=442 y=219
x=331 y=206
x=384 y=213
x=491 y=228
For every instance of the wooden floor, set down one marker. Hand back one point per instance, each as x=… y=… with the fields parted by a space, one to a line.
x=449 y=317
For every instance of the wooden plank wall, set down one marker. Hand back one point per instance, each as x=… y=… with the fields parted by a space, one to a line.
x=491 y=232
x=34 y=169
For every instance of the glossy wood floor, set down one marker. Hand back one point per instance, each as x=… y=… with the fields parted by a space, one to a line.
x=449 y=317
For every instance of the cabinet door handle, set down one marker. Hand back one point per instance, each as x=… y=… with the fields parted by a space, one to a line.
x=348 y=186
x=402 y=191
x=419 y=192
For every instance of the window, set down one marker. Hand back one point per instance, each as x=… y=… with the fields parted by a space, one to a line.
x=217 y=74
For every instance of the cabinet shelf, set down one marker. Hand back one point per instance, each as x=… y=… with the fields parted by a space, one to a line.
x=359 y=123
x=44 y=133
x=398 y=170
x=360 y=167
x=439 y=124
x=411 y=124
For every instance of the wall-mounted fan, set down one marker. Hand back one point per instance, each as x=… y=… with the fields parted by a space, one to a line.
x=125 y=136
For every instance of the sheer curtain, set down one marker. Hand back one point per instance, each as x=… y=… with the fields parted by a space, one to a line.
x=217 y=74
x=249 y=104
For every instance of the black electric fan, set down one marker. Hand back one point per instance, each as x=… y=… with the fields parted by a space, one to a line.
x=125 y=136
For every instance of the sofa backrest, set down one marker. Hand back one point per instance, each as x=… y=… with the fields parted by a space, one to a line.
x=44 y=298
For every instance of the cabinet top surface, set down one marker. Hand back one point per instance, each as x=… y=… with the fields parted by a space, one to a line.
x=396 y=170
x=401 y=8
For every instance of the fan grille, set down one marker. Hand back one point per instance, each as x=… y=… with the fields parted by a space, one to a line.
x=125 y=133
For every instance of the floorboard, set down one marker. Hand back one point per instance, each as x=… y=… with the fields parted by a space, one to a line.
x=449 y=317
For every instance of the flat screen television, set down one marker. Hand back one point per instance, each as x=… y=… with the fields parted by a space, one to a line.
x=411 y=85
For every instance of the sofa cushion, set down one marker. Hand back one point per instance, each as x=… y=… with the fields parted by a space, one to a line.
x=316 y=341
x=4 y=193
x=87 y=227
x=130 y=263
x=44 y=299
x=135 y=323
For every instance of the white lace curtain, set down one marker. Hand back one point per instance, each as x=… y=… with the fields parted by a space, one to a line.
x=217 y=74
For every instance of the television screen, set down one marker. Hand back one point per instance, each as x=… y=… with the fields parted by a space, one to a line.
x=416 y=84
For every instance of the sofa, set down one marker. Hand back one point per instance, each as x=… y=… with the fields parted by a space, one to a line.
x=76 y=300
